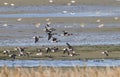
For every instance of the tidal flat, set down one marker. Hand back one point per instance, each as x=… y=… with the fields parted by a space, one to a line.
x=82 y=53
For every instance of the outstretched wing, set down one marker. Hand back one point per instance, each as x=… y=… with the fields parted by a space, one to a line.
x=49 y=36
x=69 y=46
x=36 y=39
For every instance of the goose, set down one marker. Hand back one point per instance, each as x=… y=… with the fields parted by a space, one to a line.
x=54 y=39
x=36 y=38
x=69 y=46
x=105 y=53
x=54 y=49
x=65 y=50
x=13 y=56
x=39 y=53
x=48 y=29
x=21 y=54
x=28 y=53
x=6 y=52
x=48 y=49
x=72 y=53
x=69 y=52
x=49 y=36
x=20 y=50
x=65 y=33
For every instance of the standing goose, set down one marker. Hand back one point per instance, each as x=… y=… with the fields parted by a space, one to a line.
x=65 y=50
x=106 y=53
x=13 y=56
x=20 y=50
x=48 y=49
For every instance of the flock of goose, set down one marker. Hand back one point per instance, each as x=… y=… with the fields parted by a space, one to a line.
x=69 y=50
x=22 y=51
x=50 y=34
x=50 y=37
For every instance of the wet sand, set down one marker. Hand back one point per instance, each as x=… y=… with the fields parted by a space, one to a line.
x=62 y=2
x=21 y=33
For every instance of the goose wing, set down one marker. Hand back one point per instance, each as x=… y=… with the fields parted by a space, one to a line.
x=69 y=46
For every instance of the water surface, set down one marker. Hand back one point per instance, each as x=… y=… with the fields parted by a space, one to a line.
x=59 y=63
x=20 y=34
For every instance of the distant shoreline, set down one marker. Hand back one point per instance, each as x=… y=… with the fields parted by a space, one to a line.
x=62 y=2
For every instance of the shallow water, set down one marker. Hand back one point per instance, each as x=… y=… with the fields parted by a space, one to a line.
x=83 y=38
x=59 y=63
x=21 y=35
x=85 y=14
x=58 y=11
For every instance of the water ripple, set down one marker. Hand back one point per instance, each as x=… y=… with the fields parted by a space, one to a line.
x=85 y=14
x=59 y=63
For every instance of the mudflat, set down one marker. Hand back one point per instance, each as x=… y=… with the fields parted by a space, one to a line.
x=92 y=22
x=62 y=2
x=81 y=53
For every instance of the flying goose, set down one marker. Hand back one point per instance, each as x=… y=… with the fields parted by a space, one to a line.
x=48 y=29
x=36 y=38
x=54 y=39
x=65 y=33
